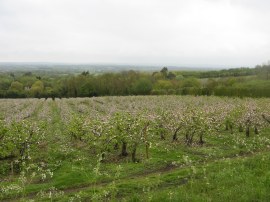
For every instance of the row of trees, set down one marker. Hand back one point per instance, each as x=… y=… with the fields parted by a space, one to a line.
x=136 y=83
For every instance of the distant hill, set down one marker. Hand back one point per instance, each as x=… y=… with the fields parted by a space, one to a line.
x=93 y=68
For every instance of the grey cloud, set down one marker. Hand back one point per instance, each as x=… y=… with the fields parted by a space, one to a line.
x=195 y=32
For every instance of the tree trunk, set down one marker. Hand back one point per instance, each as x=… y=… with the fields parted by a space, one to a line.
x=102 y=156
x=186 y=138
x=256 y=131
x=124 y=149
x=116 y=146
x=12 y=169
x=147 y=149
x=144 y=131
x=240 y=128
x=201 y=142
x=189 y=138
x=247 y=131
x=231 y=128
x=248 y=128
x=162 y=136
x=265 y=118
x=227 y=126
x=175 y=134
x=133 y=154
x=189 y=143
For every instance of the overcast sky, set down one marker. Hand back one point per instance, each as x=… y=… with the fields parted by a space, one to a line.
x=152 y=32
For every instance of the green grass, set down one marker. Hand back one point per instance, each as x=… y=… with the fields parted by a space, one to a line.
x=228 y=167
x=212 y=172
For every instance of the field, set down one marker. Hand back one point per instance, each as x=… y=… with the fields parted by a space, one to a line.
x=135 y=148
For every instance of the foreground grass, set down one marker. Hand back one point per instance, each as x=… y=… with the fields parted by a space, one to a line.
x=227 y=167
x=219 y=170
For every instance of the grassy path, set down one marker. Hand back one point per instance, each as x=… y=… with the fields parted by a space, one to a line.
x=168 y=169
x=169 y=176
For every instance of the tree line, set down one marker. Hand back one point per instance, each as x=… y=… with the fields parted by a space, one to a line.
x=241 y=82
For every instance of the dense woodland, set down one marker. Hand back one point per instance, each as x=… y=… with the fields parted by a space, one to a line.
x=240 y=82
